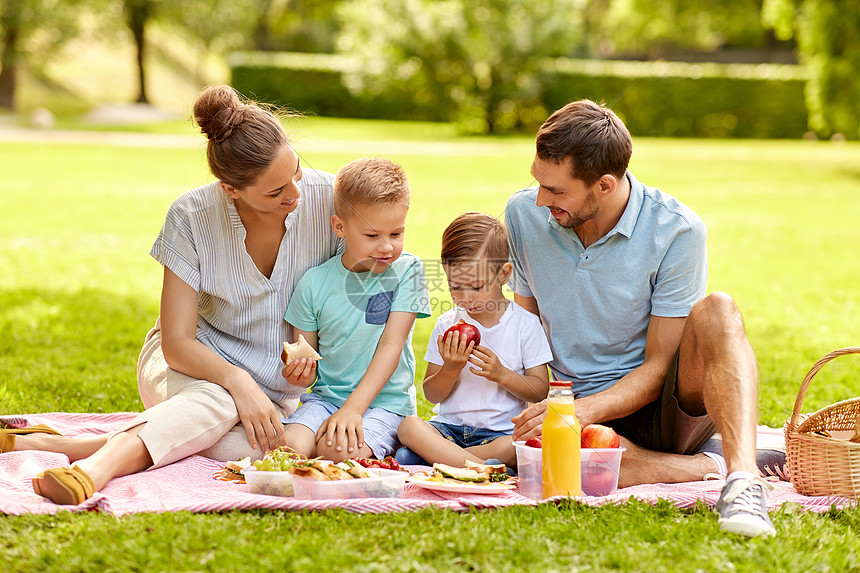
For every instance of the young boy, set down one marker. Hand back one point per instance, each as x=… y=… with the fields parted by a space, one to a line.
x=358 y=310
x=478 y=389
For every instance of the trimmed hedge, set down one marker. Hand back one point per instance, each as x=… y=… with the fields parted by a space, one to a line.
x=670 y=99
x=304 y=82
x=673 y=99
x=313 y=83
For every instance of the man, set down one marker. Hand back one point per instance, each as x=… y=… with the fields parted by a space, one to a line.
x=617 y=273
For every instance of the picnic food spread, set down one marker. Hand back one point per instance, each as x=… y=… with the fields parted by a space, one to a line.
x=284 y=472
x=290 y=474
x=285 y=459
x=299 y=349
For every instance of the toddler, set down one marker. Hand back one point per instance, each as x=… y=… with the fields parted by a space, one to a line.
x=478 y=389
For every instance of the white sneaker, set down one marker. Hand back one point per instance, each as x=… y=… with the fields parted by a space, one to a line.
x=742 y=508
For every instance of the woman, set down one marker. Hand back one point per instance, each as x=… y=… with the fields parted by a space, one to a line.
x=209 y=373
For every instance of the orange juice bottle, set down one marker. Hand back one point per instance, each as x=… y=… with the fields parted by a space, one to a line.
x=561 y=465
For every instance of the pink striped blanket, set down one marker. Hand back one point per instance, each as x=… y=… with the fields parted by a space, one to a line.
x=189 y=485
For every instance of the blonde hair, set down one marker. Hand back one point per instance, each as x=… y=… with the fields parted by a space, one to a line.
x=472 y=236
x=244 y=137
x=369 y=181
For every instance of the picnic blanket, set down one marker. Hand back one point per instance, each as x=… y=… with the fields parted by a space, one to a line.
x=189 y=485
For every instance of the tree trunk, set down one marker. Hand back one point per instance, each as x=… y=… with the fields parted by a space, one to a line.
x=10 y=22
x=261 y=39
x=137 y=13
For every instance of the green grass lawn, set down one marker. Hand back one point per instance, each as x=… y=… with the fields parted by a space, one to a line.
x=78 y=291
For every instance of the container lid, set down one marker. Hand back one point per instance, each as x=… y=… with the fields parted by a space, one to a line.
x=560 y=383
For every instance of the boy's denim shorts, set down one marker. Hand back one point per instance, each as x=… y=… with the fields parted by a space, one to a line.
x=466 y=436
x=380 y=425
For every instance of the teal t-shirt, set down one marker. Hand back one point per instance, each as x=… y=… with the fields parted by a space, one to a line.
x=348 y=310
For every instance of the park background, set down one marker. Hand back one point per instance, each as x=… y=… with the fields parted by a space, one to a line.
x=744 y=110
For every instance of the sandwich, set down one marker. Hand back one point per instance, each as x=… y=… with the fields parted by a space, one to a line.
x=326 y=471
x=298 y=350
x=494 y=472
x=233 y=470
x=334 y=472
x=309 y=472
x=473 y=473
x=354 y=469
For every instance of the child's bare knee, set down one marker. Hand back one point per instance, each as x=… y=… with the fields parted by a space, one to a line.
x=300 y=439
x=408 y=426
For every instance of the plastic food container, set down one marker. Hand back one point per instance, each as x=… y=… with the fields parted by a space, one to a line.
x=529 y=471
x=385 y=483
x=599 y=470
x=600 y=467
x=269 y=483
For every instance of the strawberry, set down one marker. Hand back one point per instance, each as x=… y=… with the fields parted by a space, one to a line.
x=393 y=463
x=383 y=464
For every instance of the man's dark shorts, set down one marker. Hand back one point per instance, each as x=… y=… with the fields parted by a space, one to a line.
x=662 y=425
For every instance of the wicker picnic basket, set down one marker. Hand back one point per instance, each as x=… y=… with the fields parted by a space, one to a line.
x=818 y=464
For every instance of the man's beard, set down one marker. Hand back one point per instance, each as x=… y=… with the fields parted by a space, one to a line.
x=589 y=211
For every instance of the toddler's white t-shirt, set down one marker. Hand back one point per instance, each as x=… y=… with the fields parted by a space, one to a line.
x=519 y=341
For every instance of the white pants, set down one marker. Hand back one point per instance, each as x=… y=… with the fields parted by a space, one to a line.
x=186 y=416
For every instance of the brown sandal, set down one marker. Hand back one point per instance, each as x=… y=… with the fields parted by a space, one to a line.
x=64 y=486
x=7 y=435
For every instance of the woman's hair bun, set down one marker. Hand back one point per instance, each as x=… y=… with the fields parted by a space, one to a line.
x=245 y=137
x=218 y=110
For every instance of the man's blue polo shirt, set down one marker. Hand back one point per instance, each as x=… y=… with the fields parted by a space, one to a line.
x=595 y=303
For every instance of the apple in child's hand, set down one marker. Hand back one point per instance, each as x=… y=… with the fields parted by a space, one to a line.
x=535 y=442
x=598 y=436
x=468 y=331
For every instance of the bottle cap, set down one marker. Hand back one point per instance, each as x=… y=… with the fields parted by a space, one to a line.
x=560 y=384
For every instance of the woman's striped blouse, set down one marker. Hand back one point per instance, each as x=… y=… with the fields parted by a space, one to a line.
x=241 y=312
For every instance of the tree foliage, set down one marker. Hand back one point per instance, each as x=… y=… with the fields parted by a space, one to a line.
x=475 y=60
x=217 y=25
x=650 y=28
x=297 y=26
x=478 y=58
x=828 y=37
x=31 y=31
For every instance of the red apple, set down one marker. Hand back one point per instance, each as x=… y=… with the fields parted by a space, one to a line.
x=597 y=436
x=465 y=330
x=535 y=442
x=597 y=480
